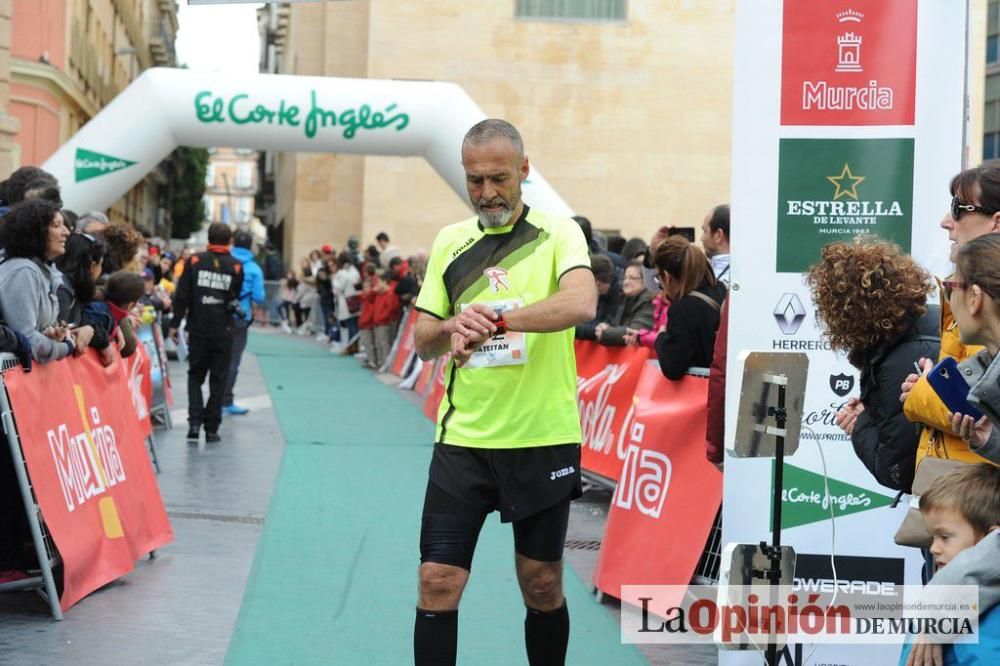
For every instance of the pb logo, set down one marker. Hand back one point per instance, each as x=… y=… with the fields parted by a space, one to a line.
x=841 y=384
x=498 y=279
x=645 y=478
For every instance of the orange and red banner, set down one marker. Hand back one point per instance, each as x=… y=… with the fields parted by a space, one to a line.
x=668 y=493
x=406 y=345
x=606 y=381
x=436 y=394
x=84 y=448
x=425 y=380
x=138 y=371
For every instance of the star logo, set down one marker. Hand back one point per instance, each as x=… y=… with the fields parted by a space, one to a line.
x=847 y=183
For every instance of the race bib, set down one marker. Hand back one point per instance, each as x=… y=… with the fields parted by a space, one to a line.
x=506 y=349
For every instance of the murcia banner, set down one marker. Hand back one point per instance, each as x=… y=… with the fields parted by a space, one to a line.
x=837 y=133
x=849 y=62
x=86 y=455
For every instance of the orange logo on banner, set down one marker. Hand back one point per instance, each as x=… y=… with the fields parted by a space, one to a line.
x=849 y=62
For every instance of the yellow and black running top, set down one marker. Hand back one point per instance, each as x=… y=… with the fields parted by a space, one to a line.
x=519 y=390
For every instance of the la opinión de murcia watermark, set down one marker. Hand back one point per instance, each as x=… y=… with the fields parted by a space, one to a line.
x=737 y=617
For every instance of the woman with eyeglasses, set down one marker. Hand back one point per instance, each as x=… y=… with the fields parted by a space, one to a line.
x=633 y=312
x=871 y=301
x=33 y=236
x=974 y=212
x=696 y=297
x=973 y=294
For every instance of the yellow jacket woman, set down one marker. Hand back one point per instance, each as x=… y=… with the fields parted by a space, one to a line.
x=924 y=407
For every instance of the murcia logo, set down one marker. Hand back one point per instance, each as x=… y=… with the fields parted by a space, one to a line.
x=841 y=384
x=836 y=67
x=789 y=313
x=498 y=278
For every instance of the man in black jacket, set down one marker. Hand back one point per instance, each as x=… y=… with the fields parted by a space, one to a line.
x=208 y=293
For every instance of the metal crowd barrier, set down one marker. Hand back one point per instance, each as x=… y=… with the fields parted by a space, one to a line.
x=48 y=557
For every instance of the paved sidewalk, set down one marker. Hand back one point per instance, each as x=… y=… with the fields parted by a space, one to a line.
x=179 y=608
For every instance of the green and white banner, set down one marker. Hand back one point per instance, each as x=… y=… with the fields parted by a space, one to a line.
x=848 y=120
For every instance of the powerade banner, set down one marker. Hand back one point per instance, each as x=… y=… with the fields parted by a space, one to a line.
x=89 y=468
x=836 y=133
x=668 y=493
x=605 y=388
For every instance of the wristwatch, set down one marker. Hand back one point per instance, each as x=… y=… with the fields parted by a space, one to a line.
x=501 y=326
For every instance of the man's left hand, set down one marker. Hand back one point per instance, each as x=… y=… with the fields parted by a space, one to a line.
x=462 y=347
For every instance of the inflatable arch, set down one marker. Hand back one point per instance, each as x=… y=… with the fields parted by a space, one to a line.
x=165 y=108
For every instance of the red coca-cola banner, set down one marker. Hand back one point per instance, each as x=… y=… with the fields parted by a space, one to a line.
x=668 y=494
x=606 y=381
x=406 y=344
x=89 y=467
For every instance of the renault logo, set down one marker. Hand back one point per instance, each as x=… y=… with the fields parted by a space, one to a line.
x=789 y=313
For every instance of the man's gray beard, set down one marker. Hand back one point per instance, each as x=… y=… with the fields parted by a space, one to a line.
x=494 y=220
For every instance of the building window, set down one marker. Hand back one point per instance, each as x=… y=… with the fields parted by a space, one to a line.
x=572 y=10
x=993 y=33
x=210 y=175
x=243 y=175
x=991 y=146
x=243 y=213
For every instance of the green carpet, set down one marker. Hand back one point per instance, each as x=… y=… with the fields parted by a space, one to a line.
x=334 y=578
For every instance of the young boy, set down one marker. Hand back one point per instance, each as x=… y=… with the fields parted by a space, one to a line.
x=122 y=292
x=962 y=513
x=386 y=316
x=366 y=320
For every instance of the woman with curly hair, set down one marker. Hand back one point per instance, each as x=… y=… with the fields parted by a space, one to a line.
x=871 y=302
x=124 y=243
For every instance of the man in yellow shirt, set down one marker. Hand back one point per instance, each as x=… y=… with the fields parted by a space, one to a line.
x=502 y=292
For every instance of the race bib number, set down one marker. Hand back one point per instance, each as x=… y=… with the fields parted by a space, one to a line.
x=506 y=349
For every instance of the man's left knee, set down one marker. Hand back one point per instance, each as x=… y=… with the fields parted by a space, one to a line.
x=543 y=587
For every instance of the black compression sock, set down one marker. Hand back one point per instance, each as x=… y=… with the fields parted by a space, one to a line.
x=546 y=634
x=435 y=638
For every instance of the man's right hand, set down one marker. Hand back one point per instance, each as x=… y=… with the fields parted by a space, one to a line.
x=172 y=334
x=474 y=322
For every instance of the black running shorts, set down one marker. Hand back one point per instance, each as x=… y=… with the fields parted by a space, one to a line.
x=532 y=489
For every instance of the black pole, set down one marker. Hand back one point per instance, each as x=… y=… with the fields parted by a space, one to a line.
x=774 y=552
